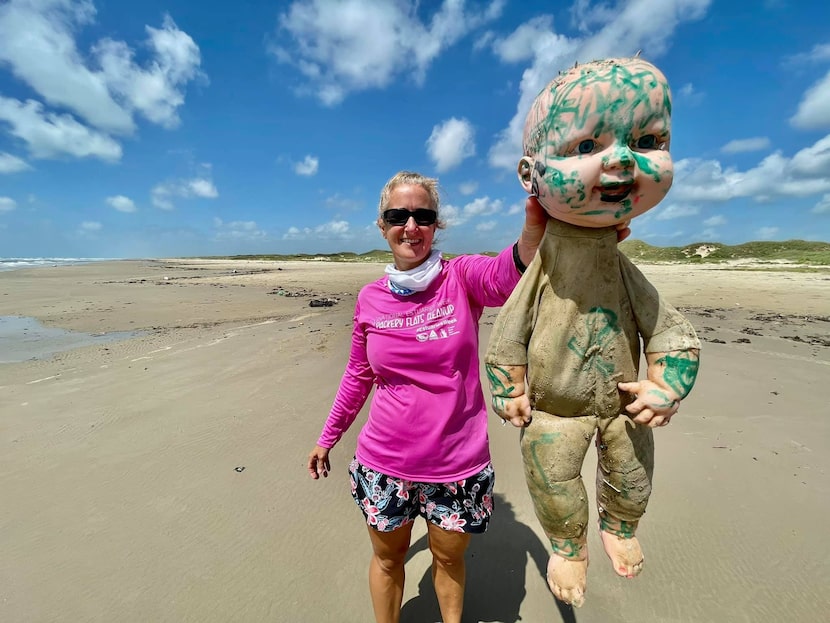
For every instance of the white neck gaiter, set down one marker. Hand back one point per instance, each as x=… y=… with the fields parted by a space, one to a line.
x=406 y=282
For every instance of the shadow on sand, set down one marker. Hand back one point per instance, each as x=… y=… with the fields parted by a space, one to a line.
x=496 y=574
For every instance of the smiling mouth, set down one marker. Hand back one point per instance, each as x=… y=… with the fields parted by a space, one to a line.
x=615 y=193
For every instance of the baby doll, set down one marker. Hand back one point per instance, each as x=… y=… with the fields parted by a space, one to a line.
x=564 y=354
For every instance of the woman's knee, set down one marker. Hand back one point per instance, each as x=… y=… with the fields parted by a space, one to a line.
x=390 y=548
x=447 y=548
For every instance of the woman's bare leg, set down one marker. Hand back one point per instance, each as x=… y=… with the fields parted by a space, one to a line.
x=386 y=571
x=448 y=570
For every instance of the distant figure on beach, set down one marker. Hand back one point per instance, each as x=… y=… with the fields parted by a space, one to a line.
x=424 y=447
x=563 y=357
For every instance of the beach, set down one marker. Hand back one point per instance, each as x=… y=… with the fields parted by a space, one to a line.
x=161 y=476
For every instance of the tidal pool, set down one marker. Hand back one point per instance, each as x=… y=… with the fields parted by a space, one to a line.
x=23 y=338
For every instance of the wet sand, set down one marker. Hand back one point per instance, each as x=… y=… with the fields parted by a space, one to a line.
x=161 y=478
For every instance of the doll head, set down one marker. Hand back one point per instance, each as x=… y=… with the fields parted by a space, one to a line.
x=596 y=143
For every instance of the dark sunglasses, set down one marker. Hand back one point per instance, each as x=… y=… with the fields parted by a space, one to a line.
x=399 y=216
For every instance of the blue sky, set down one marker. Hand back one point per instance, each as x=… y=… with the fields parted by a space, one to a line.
x=173 y=128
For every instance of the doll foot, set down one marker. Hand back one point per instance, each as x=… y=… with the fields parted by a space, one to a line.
x=625 y=554
x=567 y=579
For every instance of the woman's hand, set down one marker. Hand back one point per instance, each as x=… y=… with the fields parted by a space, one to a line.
x=318 y=462
x=623 y=230
x=536 y=219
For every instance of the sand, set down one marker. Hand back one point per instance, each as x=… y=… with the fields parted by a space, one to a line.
x=162 y=477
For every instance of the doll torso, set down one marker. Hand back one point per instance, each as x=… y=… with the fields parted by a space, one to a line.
x=585 y=338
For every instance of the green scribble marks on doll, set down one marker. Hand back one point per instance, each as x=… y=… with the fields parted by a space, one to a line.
x=570 y=188
x=601 y=328
x=646 y=167
x=545 y=439
x=680 y=372
x=497 y=386
x=566 y=548
x=624 y=529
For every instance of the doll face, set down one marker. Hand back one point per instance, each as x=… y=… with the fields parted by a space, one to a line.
x=600 y=136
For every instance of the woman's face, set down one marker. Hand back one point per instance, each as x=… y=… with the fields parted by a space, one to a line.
x=410 y=243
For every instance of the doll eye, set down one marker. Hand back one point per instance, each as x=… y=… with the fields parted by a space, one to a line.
x=584 y=148
x=649 y=141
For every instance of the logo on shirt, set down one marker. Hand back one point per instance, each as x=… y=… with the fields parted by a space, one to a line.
x=430 y=323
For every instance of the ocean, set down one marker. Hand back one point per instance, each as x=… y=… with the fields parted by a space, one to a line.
x=14 y=263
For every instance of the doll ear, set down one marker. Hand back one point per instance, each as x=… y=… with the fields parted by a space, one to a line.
x=525 y=170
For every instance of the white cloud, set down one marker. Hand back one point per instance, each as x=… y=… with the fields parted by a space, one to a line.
x=486 y=226
x=338 y=230
x=201 y=188
x=157 y=90
x=121 y=203
x=12 y=164
x=308 y=166
x=766 y=233
x=238 y=230
x=522 y=44
x=38 y=42
x=483 y=206
x=468 y=188
x=620 y=31
x=738 y=146
x=91 y=226
x=823 y=206
x=450 y=143
x=7 y=204
x=162 y=194
x=673 y=211
x=818 y=54
x=355 y=45
x=814 y=109
x=338 y=202
x=689 y=94
x=715 y=221
x=48 y=135
x=86 y=96
x=806 y=174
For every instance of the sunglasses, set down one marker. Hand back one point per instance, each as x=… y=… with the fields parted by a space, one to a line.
x=399 y=216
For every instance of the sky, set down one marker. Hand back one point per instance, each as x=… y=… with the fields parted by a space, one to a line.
x=167 y=128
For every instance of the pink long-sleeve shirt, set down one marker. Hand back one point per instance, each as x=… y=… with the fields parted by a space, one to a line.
x=427 y=420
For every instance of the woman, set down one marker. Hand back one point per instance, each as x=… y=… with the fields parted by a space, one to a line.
x=424 y=448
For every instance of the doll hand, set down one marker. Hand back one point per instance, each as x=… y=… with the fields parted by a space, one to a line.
x=507 y=386
x=515 y=410
x=654 y=405
x=318 y=462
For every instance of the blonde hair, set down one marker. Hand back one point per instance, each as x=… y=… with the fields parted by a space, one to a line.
x=410 y=178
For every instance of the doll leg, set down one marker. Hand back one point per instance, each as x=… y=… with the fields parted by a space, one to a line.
x=553 y=449
x=624 y=473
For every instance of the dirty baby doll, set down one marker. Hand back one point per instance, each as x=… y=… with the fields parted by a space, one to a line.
x=564 y=352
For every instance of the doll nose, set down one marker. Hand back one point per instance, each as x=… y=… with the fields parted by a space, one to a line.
x=620 y=157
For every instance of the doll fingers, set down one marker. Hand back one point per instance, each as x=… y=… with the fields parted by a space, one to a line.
x=631 y=387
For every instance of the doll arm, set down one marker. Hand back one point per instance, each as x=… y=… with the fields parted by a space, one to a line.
x=506 y=357
x=670 y=378
x=509 y=394
x=672 y=351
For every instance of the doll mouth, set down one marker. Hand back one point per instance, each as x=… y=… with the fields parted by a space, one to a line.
x=614 y=193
